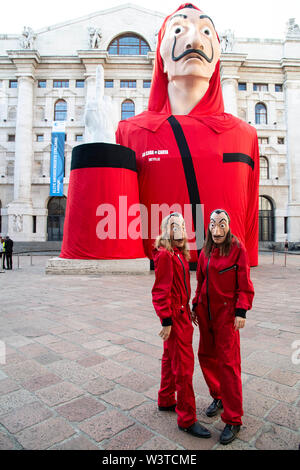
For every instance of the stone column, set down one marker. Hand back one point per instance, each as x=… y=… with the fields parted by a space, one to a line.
x=230 y=73
x=229 y=88
x=292 y=113
x=20 y=211
x=23 y=145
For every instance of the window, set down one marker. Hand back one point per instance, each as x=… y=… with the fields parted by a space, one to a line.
x=260 y=87
x=263 y=140
x=79 y=83
x=60 y=83
x=147 y=84
x=264 y=168
x=286 y=225
x=266 y=219
x=127 y=109
x=242 y=86
x=280 y=140
x=128 y=84
x=109 y=83
x=13 y=83
x=42 y=84
x=278 y=87
x=40 y=138
x=11 y=137
x=260 y=114
x=79 y=137
x=128 y=44
x=60 y=111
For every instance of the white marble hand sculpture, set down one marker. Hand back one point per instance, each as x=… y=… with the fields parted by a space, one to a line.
x=100 y=117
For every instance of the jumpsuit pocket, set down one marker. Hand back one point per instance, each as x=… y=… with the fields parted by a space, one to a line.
x=228 y=279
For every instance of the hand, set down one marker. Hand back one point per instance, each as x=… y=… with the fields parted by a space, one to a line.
x=194 y=317
x=165 y=332
x=239 y=322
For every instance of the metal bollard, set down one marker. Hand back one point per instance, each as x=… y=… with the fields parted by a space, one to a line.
x=273 y=256
x=18 y=261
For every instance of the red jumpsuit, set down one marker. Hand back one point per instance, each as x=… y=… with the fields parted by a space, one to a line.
x=223 y=286
x=206 y=157
x=170 y=295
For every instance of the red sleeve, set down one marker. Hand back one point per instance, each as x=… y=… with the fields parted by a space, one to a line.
x=245 y=288
x=251 y=232
x=121 y=136
x=200 y=279
x=161 y=291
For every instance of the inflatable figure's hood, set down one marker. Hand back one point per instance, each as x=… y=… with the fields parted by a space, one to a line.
x=209 y=110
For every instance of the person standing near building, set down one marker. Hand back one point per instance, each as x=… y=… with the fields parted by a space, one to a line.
x=224 y=294
x=170 y=296
x=1 y=253
x=8 y=252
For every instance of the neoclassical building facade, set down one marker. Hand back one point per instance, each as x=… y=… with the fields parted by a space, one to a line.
x=49 y=75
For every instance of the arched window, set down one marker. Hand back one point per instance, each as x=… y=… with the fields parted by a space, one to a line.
x=60 y=110
x=266 y=219
x=128 y=44
x=261 y=114
x=264 y=168
x=56 y=218
x=127 y=109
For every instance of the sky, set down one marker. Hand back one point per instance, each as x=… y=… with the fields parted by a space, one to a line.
x=247 y=18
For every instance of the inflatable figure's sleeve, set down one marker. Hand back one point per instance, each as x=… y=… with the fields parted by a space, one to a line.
x=251 y=239
x=121 y=135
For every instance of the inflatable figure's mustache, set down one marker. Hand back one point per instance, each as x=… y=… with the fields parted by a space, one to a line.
x=189 y=51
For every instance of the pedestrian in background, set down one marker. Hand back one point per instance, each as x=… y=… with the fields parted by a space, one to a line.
x=8 y=252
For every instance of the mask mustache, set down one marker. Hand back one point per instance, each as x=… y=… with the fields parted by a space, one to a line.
x=189 y=51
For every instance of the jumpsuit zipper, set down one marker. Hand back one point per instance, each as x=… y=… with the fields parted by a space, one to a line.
x=228 y=269
x=187 y=295
x=207 y=295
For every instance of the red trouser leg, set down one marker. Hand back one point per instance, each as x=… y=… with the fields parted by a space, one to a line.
x=207 y=354
x=177 y=369
x=229 y=358
x=166 y=394
x=220 y=360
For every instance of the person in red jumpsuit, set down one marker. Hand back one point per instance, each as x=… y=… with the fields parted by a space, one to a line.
x=224 y=293
x=170 y=295
x=185 y=136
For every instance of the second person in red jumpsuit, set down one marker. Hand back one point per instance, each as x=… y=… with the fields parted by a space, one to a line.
x=224 y=293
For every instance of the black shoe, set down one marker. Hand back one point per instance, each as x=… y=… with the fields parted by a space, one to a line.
x=214 y=407
x=197 y=430
x=229 y=433
x=167 y=408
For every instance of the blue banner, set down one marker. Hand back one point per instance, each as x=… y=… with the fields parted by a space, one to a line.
x=57 y=162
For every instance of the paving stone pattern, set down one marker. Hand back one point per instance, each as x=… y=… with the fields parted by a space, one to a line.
x=82 y=365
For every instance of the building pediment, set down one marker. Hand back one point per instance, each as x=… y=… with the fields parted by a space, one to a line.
x=70 y=36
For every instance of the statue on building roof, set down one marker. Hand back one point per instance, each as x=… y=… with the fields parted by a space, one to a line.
x=27 y=38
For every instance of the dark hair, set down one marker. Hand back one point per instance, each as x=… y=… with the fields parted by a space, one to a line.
x=226 y=245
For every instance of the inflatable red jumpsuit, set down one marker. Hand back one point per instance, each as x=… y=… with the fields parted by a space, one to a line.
x=212 y=156
x=223 y=288
x=170 y=295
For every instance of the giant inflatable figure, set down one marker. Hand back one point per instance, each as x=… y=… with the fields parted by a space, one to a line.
x=189 y=152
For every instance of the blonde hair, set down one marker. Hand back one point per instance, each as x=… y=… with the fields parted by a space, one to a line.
x=164 y=239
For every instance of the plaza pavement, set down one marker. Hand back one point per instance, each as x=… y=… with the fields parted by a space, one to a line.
x=83 y=363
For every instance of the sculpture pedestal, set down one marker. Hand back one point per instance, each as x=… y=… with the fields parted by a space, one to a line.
x=97 y=266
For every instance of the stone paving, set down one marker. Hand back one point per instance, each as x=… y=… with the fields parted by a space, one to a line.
x=82 y=364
